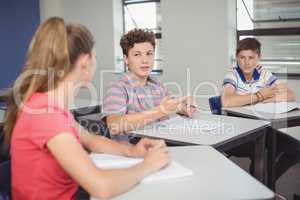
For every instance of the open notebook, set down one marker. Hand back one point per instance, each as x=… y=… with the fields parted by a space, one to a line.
x=275 y=108
x=107 y=161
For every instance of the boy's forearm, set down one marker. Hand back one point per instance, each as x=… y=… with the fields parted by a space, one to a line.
x=239 y=100
x=125 y=123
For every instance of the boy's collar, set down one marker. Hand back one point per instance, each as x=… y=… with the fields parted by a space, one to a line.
x=134 y=82
x=255 y=75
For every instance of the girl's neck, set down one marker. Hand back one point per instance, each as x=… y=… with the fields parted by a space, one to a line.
x=64 y=94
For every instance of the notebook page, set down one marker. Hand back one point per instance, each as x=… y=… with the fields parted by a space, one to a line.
x=276 y=108
x=107 y=161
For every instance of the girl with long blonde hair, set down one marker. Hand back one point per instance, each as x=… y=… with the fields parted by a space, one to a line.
x=48 y=148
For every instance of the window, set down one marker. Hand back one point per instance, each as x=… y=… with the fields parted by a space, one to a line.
x=276 y=24
x=145 y=15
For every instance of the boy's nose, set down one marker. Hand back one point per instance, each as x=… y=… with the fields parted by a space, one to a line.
x=145 y=60
x=247 y=61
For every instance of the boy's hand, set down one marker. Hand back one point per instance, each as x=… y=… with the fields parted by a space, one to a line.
x=268 y=92
x=171 y=105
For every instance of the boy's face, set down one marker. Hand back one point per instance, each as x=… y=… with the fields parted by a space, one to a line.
x=247 y=60
x=140 y=59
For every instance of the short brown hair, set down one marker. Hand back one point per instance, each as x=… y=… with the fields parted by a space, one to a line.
x=249 y=44
x=136 y=36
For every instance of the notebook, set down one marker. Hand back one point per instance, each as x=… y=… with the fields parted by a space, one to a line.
x=173 y=170
x=275 y=108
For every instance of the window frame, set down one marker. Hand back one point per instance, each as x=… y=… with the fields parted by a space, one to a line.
x=295 y=30
x=157 y=35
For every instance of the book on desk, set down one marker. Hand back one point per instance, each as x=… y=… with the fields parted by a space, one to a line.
x=274 y=108
x=107 y=161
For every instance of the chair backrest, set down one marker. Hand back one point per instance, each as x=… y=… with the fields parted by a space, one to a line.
x=94 y=124
x=4 y=149
x=215 y=104
x=5 y=180
x=104 y=130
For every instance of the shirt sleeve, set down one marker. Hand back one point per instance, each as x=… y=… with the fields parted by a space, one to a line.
x=115 y=100
x=231 y=79
x=165 y=90
x=47 y=125
x=271 y=78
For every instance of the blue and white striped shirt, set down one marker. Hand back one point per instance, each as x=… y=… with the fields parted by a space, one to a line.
x=261 y=78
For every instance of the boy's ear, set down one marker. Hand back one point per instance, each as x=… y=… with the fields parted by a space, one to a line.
x=259 y=56
x=125 y=58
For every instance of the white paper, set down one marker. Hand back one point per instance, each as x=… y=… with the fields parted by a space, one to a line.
x=275 y=108
x=188 y=124
x=107 y=161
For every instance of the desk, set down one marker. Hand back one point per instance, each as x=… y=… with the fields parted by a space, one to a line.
x=292 y=135
x=293 y=132
x=278 y=121
x=216 y=177
x=3 y=94
x=288 y=119
x=237 y=131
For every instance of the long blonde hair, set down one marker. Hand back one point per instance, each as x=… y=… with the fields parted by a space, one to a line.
x=54 y=49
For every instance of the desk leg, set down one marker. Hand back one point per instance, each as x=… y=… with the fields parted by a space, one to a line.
x=259 y=158
x=271 y=165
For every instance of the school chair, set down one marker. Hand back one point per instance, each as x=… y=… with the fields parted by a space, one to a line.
x=96 y=126
x=5 y=180
x=4 y=149
x=215 y=105
x=104 y=130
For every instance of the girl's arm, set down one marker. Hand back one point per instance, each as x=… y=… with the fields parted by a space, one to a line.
x=97 y=182
x=100 y=144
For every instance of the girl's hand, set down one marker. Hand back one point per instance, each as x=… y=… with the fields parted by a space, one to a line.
x=144 y=146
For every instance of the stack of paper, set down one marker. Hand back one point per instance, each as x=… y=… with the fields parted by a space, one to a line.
x=173 y=170
x=275 y=108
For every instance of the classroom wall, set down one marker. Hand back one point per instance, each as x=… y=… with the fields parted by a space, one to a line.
x=104 y=19
x=199 y=39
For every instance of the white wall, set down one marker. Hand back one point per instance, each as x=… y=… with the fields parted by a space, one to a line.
x=198 y=35
x=50 y=8
x=104 y=19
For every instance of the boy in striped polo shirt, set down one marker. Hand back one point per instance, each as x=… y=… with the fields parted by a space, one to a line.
x=137 y=98
x=249 y=82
